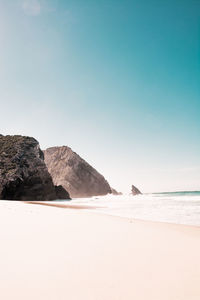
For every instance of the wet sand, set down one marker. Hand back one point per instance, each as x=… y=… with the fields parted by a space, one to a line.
x=62 y=205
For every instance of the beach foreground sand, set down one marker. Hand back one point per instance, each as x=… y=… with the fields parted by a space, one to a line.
x=57 y=254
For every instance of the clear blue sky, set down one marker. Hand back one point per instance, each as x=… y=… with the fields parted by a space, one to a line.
x=117 y=81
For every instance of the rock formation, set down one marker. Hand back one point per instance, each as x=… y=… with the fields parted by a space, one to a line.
x=23 y=173
x=72 y=172
x=116 y=193
x=135 y=191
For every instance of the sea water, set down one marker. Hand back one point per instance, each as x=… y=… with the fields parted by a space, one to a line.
x=177 y=207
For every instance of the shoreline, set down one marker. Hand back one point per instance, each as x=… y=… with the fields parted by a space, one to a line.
x=89 y=207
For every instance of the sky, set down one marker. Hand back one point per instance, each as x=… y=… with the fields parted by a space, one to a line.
x=117 y=81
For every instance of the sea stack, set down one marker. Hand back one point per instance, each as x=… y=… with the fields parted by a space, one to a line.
x=72 y=172
x=23 y=173
x=135 y=191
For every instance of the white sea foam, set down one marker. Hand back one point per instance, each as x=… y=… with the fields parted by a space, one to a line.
x=180 y=208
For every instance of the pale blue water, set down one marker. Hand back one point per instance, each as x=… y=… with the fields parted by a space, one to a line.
x=177 y=207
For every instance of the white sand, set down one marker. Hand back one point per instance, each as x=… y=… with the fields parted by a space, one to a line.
x=53 y=253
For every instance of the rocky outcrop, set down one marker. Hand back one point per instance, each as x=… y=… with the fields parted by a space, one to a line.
x=135 y=191
x=72 y=172
x=23 y=173
x=116 y=193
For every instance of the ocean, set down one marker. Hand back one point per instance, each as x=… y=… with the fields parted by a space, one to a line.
x=176 y=207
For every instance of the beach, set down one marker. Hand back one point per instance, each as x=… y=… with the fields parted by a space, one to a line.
x=58 y=253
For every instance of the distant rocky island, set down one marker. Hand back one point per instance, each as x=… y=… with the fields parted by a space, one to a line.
x=23 y=173
x=135 y=191
x=79 y=178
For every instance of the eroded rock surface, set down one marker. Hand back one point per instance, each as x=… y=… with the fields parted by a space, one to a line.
x=72 y=172
x=23 y=173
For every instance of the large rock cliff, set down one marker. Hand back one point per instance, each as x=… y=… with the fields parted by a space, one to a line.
x=23 y=173
x=72 y=172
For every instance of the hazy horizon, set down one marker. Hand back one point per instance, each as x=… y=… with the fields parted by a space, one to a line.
x=116 y=81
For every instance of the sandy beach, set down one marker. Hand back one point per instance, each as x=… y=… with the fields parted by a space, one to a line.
x=57 y=254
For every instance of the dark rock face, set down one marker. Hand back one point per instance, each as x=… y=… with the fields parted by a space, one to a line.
x=135 y=191
x=116 y=193
x=72 y=172
x=61 y=193
x=23 y=173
